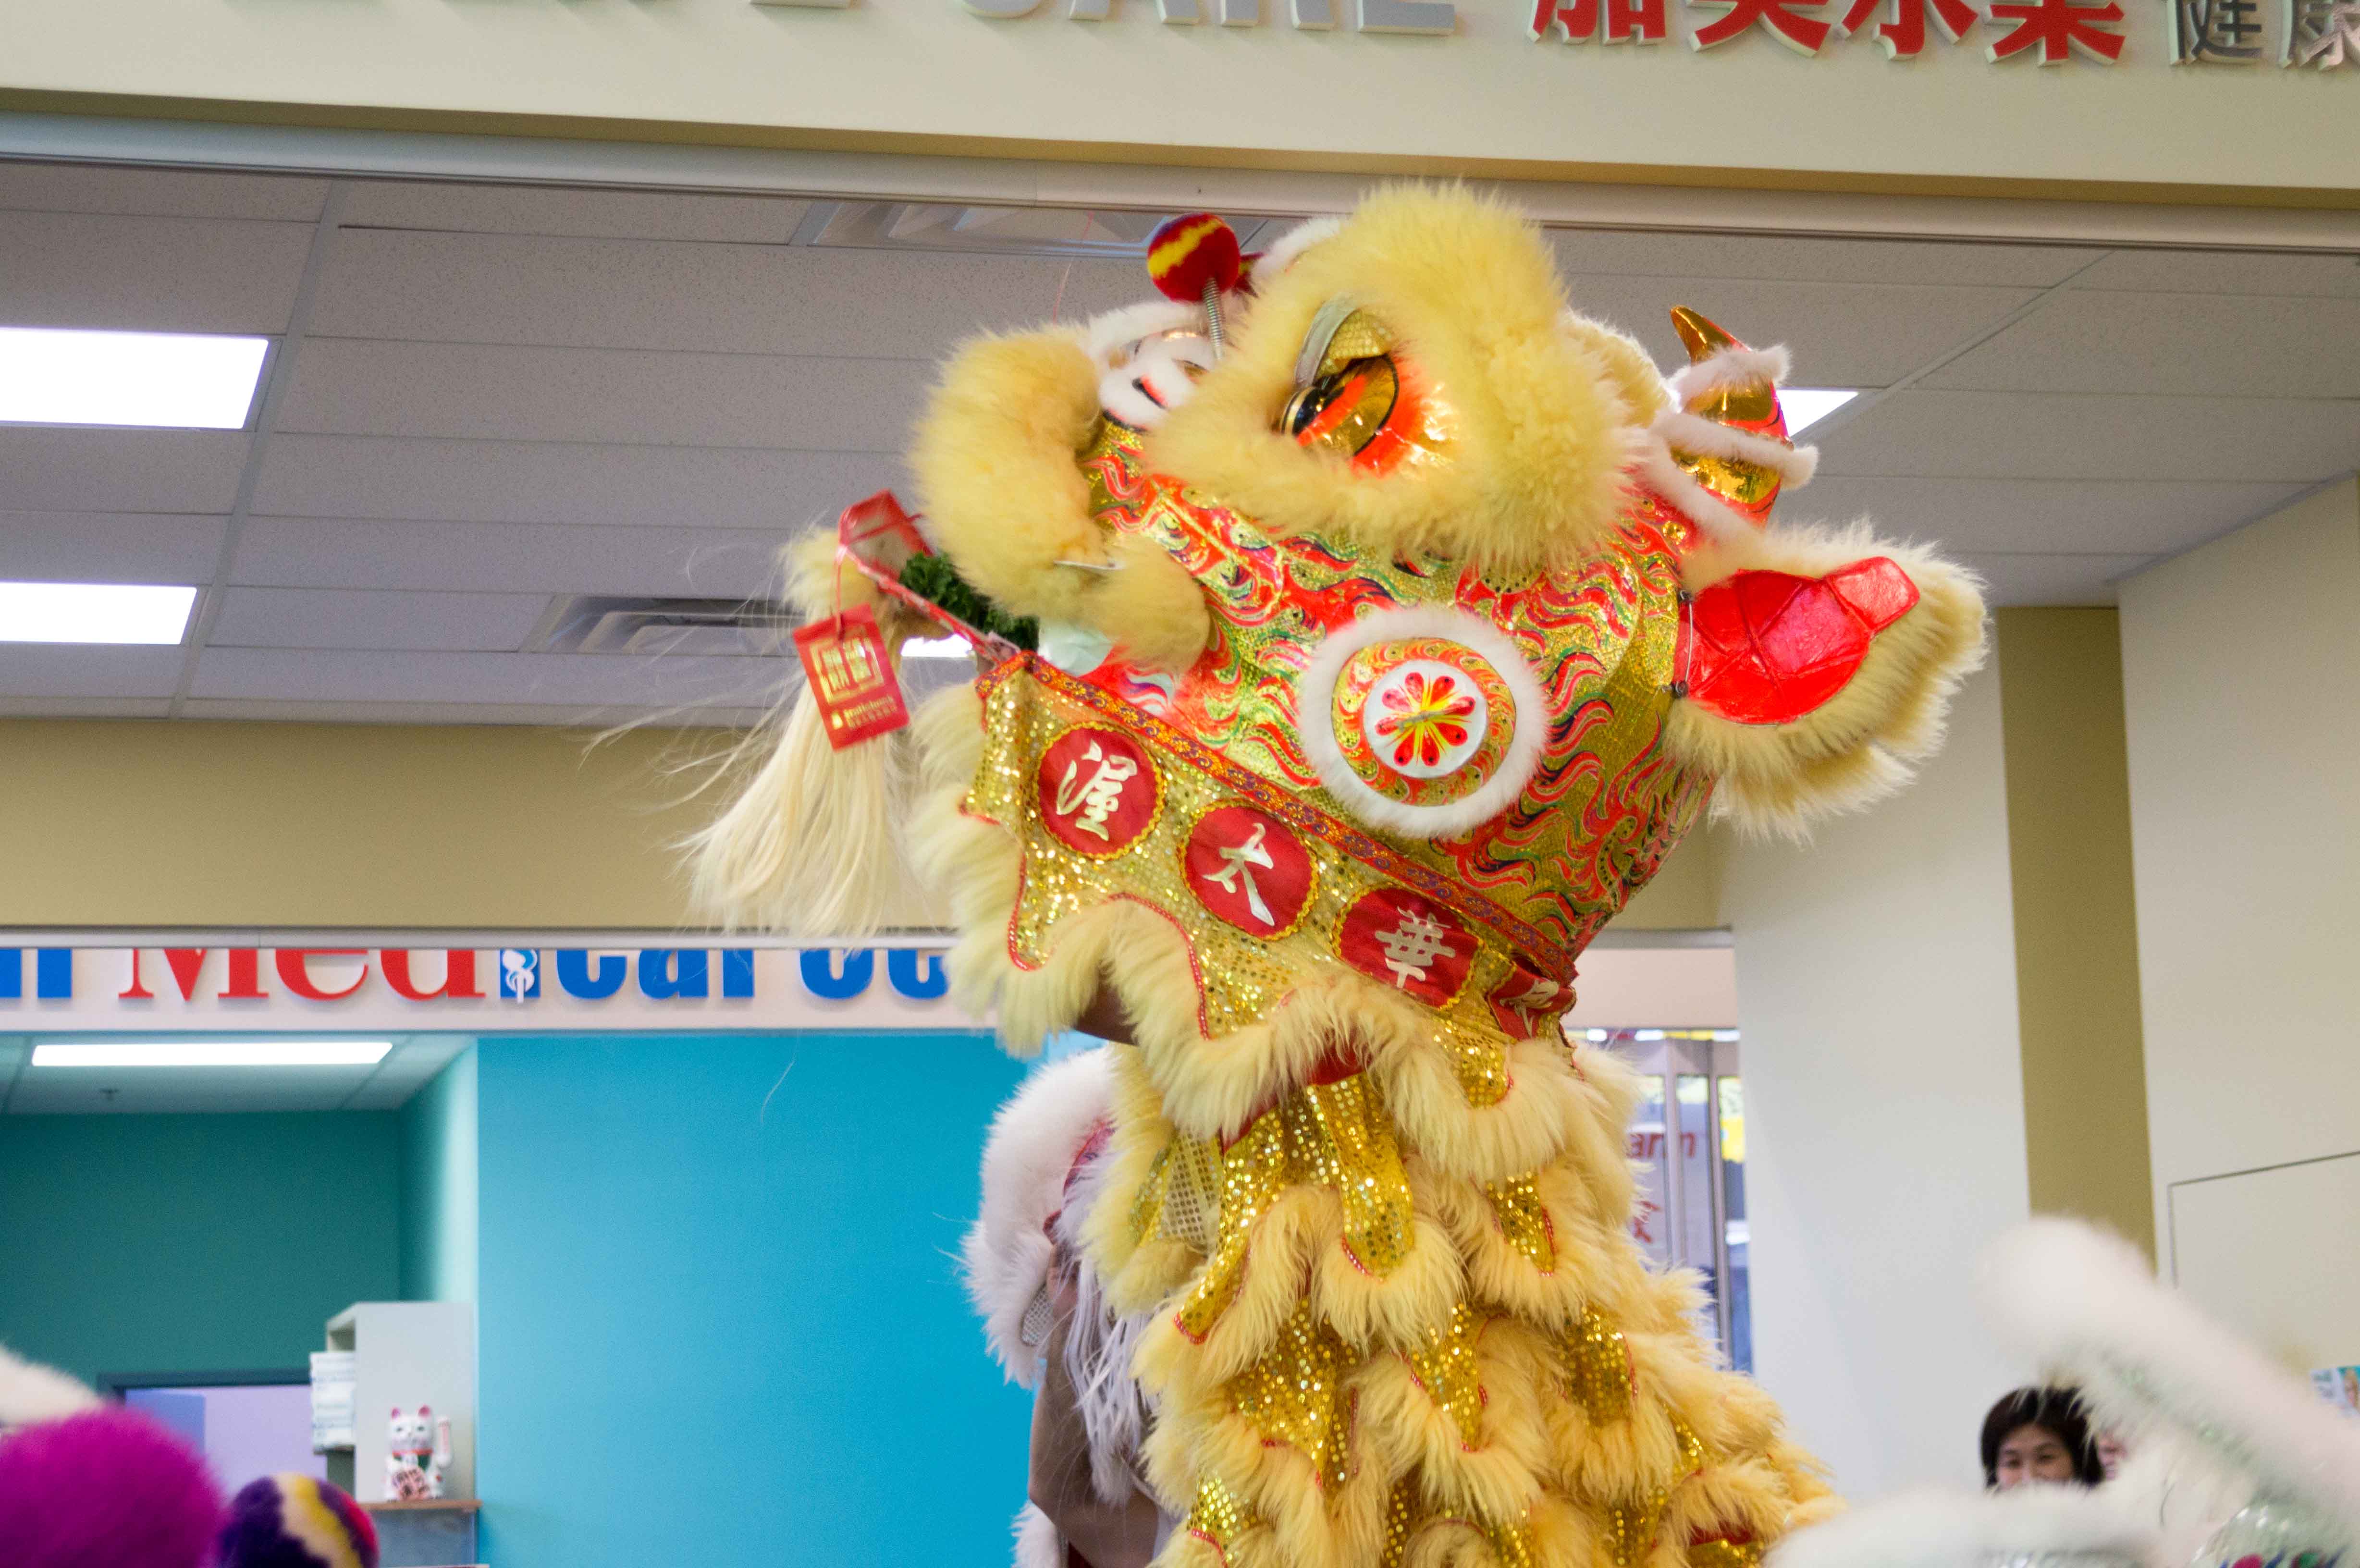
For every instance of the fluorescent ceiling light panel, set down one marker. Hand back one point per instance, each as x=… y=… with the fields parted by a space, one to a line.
x=1807 y=406
x=212 y=1053
x=94 y=611
x=189 y=381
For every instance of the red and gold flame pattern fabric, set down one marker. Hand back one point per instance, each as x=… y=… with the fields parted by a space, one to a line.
x=1604 y=804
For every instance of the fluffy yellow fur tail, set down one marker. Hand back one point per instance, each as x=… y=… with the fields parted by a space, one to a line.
x=811 y=845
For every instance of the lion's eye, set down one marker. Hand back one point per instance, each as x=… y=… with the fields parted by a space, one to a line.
x=1355 y=397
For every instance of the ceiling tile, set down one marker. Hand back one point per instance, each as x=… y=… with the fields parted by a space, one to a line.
x=107 y=547
x=346 y=618
x=158 y=193
x=2182 y=344
x=626 y=684
x=2027 y=580
x=175 y=274
x=2039 y=514
x=861 y=304
x=521 y=558
x=556 y=210
x=345 y=387
x=1848 y=334
x=2032 y=435
x=46 y=468
x=2225 y=272
x=53 y=670
x=554 y=481
x=1585 y=253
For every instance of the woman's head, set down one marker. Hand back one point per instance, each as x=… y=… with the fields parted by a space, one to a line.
x=2039 y=1434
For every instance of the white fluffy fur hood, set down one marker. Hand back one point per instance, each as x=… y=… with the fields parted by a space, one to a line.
x=1941 y=1528
x=2080 y=1301
x=1008 y=1252
x=30 y=1393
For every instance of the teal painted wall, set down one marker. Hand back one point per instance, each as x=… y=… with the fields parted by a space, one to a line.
x=719 y=1319
x=438 y=1187
x=192 y=1243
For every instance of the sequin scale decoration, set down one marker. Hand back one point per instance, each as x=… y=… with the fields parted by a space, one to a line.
x=1604 y=806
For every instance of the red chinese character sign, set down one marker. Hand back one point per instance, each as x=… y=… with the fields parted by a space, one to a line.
x=1904 y=37
x=2058 y=30
x=1249 y=869
x=1627 y=21
x=1408 y=941
x=2050 y=31
x=1099 y=791
x=1524 y=1000
x=1788 y=21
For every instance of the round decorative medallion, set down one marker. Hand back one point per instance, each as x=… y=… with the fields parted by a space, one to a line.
x=1407 y=941
x=1423 y=720
x=1249 y=869
x=1099 y=791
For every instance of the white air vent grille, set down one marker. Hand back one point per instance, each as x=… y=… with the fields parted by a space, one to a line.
x=711 y=628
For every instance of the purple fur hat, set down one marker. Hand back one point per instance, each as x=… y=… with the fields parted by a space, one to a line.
x=106 y=1488
x=295 y=1521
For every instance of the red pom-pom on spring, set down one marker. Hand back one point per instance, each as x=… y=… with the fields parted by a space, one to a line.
x=1192 y=253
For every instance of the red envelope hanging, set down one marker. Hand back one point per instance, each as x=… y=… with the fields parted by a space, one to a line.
x=851 y=678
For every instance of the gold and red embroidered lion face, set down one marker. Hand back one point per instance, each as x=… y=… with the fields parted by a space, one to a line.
x=1408 y=626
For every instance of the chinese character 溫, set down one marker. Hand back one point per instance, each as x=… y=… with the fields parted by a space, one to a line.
x=1096 y=796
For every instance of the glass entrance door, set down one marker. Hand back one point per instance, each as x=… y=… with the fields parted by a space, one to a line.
x=1687 y=1139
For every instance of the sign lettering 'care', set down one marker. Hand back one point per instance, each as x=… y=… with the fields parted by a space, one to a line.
x=473 y=988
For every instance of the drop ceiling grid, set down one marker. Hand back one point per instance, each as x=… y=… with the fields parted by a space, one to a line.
x=509 y=393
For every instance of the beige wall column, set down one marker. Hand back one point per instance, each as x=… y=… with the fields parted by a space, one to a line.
x=2077 y=974
x=2239 y=664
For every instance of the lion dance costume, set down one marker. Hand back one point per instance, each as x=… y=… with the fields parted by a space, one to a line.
x=1346 y=661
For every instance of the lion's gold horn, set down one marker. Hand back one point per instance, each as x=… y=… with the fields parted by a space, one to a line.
x=1730 y=434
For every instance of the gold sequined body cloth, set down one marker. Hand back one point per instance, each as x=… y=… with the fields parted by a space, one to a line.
x=1379 y=1204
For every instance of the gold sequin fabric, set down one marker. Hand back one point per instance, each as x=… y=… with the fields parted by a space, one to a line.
x=1604 y=806
x=1027 y=706
x=1334 y=1136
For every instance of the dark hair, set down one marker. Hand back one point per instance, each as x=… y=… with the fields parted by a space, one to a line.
x=2055 y=1411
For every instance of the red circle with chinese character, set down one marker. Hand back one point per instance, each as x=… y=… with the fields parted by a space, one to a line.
x=1408 y=941
x=1249 y=869
x=1099 y=790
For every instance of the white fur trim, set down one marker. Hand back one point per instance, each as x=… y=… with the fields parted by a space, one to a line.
x=1693 y=432
x=1935 y=1528
x=1315 y=698
x=2082 y=1302
x=30 y=1392
x=1731 y=369
x=1038 y=1544
x=1008 y=1252
x=1282 y=252
x=1110 y=334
